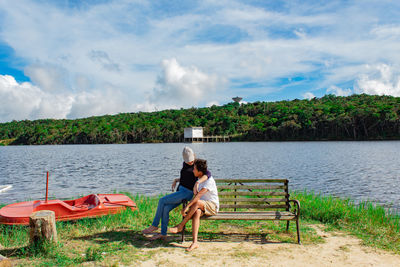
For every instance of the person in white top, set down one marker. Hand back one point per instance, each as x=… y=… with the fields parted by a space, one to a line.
x=205 y=202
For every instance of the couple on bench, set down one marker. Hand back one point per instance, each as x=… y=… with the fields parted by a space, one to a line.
x=195 y=184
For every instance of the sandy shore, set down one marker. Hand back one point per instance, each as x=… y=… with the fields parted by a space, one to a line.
x=339 y=249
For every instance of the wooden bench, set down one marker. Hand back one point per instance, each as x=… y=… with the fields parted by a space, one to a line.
x=255 y=199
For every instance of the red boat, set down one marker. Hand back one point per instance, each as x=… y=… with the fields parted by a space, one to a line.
x=89 y=206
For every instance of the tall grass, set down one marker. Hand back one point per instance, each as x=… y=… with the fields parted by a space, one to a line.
x=372 y=223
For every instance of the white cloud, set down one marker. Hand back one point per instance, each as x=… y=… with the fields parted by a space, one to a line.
x=308 y=95
x=19 y=101
x=300 y=33
x=387 y=31
x=381 y=80
x=212 y=103
x=87 y=104
x=184 y=86
x=104 y=60
x=339 y=91
x=49 y=78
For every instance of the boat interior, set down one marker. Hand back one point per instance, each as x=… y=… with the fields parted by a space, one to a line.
x=87 y=202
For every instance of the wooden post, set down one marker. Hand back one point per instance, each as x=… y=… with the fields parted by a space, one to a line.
x=47 y=186
x=42 y=226
x=4 y=262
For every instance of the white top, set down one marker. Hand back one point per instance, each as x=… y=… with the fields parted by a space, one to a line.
x=212 y=192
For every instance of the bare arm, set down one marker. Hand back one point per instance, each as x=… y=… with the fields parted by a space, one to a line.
x=174 y=184
x=199 y=181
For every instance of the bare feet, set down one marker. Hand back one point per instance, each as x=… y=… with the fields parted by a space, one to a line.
x=175 y=229
x=192 y=247
x=158 y=236
x=149 y=229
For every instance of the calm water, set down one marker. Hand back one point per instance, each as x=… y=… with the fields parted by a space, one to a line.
x=360 y=170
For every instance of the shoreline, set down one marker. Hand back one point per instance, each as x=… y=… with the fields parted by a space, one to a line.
x=5 y=143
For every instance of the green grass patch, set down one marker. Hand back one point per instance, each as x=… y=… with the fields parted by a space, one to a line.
x=117 y=239
x=372 y=223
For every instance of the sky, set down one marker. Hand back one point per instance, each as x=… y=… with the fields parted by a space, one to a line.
x=68 y=59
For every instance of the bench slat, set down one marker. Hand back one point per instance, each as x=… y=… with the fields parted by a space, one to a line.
x=272 y=215
x=260 y=193
x=282 y=212
x=245 y=199
x=251 y=187
x=251 y=180
x=255 y=206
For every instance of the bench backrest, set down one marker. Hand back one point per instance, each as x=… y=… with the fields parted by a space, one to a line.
x=253 y=194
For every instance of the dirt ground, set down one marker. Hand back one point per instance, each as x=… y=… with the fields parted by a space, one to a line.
x=339 y=249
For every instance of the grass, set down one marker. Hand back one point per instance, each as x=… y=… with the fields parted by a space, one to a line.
x=371 y=223
x=6 y=142
x=116 y=239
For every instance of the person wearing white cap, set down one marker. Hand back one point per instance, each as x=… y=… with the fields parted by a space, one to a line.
x=187 y=183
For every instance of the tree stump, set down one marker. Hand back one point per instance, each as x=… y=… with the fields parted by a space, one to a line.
x=42 y=226
x=4 y=262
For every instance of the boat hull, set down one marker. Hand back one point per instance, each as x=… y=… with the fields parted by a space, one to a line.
x=4 y=188
x=94 y=205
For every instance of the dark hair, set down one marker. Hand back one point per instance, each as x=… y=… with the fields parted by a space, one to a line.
x=201 y=165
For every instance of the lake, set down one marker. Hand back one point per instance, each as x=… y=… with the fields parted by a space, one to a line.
x=359 y=170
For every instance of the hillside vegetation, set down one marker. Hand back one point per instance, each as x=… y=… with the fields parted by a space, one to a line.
x=356 y=117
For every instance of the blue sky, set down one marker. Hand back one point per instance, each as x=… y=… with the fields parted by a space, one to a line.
x=72 y=59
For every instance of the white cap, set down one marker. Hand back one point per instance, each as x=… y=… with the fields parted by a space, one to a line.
x=188 y=154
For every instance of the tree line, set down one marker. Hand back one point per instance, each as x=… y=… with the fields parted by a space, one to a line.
x=356 y=117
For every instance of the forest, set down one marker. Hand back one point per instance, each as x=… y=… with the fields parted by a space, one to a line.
x=355 y=117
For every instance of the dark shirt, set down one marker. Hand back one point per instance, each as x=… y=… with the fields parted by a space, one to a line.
x=187 y=178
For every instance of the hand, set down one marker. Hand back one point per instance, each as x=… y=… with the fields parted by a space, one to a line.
x=196 y=188
x=174 y=185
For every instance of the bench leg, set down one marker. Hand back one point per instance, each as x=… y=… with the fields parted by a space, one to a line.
x=298 y=231
x=287 y=225
x=183 y=234
x=184 y=203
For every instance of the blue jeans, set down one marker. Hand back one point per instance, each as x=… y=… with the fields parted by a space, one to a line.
x=168 y=203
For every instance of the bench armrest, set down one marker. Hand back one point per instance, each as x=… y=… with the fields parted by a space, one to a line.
x=297 y=207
